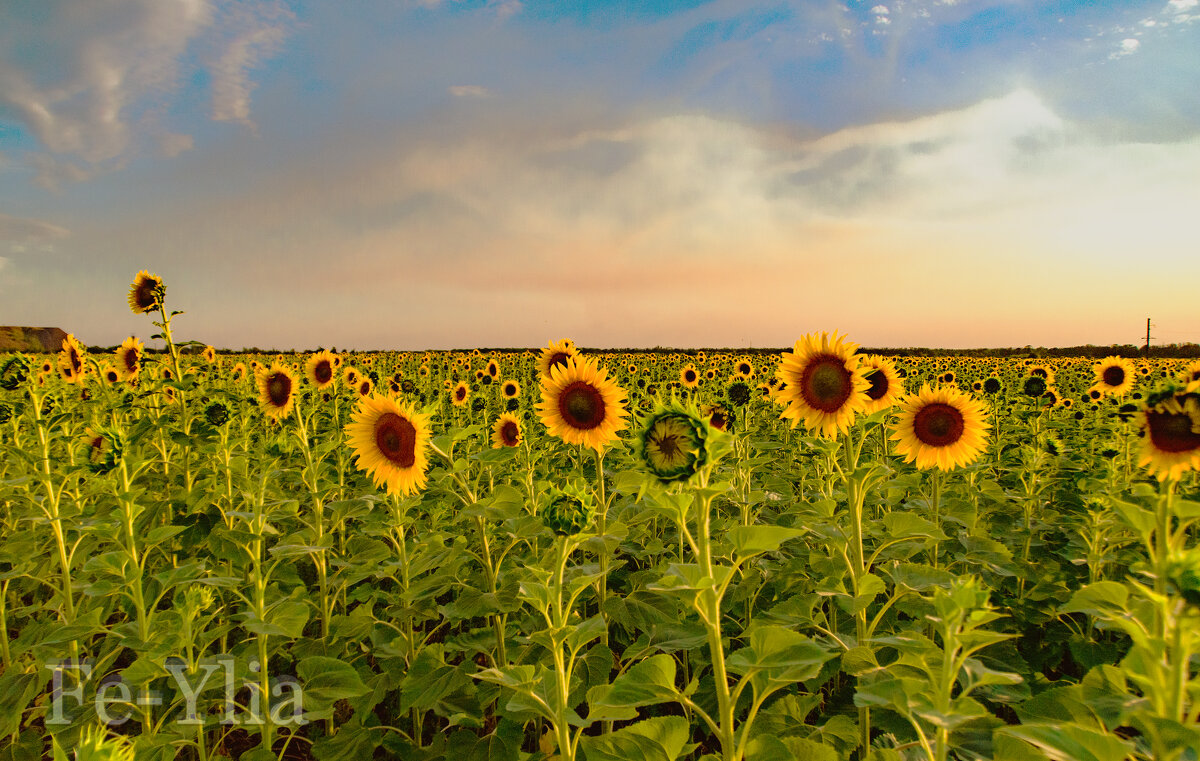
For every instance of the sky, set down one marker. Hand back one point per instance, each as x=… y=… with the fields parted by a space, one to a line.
x=404 y=174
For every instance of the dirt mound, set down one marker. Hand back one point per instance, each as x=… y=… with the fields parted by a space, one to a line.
x=31 y=339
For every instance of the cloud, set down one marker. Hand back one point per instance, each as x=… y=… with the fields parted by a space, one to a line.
x=1128 y=46
x=251 y=33
x=93 y=81
x=24 y=235
x=468 y=91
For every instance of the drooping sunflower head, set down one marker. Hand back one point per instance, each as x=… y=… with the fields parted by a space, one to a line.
x=390 y=440
x=15 y=371
x=1034 y=386
x=70 y=360
x=129 y=358
x=885 y=387
x=581 y=404
x=738 y=393
x=556 y=354
x=992 y=385
x=825 y=386
x=276 y=391
x=320 y=369
x=1170 y=424
x=147 y=293
x=943 y=428
x=1114 y=376
x=507 y=431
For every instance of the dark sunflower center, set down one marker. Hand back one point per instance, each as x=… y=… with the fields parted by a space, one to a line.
x=396 y=438
x=689 y=376
x=130 y=360
x=279 y=389
x=1172 y=432
x=581 y=405
x=717 y=420
x=323 y=372
x=879 y=384
x=510 y=434
x=668 y=444
x=826 y=384
x=1113 y=376
x=460 y=393
x=744 y=369
x=112 y=376
x=145 y=294
x=558 y=359
x=938 y=425
x=510 y=390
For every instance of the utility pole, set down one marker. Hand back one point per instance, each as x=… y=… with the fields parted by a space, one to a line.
x=1147 y=349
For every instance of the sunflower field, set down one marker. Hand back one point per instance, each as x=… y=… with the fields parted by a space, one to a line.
x=557 y=554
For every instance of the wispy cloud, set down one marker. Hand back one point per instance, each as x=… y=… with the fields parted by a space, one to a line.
x=25 y=235
x=93 y=81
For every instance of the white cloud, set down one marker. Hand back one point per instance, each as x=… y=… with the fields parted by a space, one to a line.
x=1182 y=6
x=1128 y=46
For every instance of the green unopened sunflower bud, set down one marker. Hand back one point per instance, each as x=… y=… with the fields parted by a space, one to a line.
x=674 y=442
x=103 y=449
x=569 y=512
x=216 y=414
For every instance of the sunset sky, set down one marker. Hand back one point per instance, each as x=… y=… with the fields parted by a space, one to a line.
x=400 y=174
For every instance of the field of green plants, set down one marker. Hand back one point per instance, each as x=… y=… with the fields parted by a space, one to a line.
x=564 y=554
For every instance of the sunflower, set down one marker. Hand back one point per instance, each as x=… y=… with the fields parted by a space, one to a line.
x=460 y=393
x=129 y=358
x=390 y=440
x=581 y=405
x=70 y=360
x=1114 y=375
x=719 y=416
x=671 y=442
x=493 y=369
x=350 y=376
x=209 y=354
x=510 y=389
x=276 y=391
x=238 y=372
x=885 y=388
x=556 y=354
x=1170 y=422
x=1191 y=372
x=147 y=293
x=825 y=386
x=319 y=369
x=365 y=386
x=110 y=374
x=942 y=428
x=744 y=369
x=507 y=431
x=689 y=377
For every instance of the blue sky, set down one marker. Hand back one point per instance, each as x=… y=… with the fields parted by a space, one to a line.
x=408 y=174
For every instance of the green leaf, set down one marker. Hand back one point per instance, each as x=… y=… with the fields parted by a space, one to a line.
x=326 y=681
x=659 y=739
x=748 y=541
x=646 y=683
x=1070 y=742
